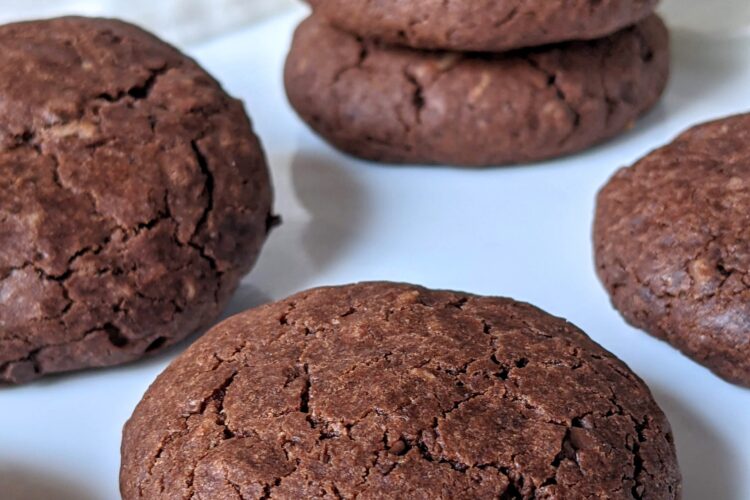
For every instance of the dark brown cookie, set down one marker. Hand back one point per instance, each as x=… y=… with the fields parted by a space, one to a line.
x=672 y=244
x=133 y=196
x=383 y=390
x=407 y=106
x=482 y=25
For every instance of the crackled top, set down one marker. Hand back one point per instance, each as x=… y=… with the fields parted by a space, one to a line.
x=672 y=240
x=133 y=195
x=482 y=25
x=382 y=390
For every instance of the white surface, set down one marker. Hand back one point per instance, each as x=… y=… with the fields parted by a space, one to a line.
x=174 y=20
x=522 y=232
x=728 y=17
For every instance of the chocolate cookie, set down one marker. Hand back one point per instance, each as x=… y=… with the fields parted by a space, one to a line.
x=407 y=106
x=383 y=390
x=482 y=25
x=672 y=245
x=133 y=196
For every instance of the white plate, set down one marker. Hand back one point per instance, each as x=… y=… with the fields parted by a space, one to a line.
x=726 y=17
x=522 y=232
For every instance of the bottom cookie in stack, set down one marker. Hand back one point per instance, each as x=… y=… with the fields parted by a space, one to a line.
x=402 y=105
x=385 y=390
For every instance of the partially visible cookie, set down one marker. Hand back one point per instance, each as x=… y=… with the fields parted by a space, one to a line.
x=482 y=25
x=672 y=243
x=133 y=196
x=384 y=390
x=407 y=106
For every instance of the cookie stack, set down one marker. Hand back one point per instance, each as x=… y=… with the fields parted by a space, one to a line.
x=475 y=83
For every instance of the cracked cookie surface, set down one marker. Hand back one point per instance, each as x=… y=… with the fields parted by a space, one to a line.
x=133 y=196
x=482 y=25
x=672 y=245
x=384 y=390
x=407 y=106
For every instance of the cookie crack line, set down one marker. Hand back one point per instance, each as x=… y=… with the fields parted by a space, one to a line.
x=217 y=397
x=196 y=408
x=141 y=91
x=364 y=53
x=418 y=97
x=509 y=17
x=114 y=334
x=209 y=186
x=34 y=137
x=639 y=426
x=202 y=223
x=553 y=83
x=117 y=339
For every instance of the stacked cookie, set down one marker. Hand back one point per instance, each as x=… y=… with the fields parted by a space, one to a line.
x=475 y=83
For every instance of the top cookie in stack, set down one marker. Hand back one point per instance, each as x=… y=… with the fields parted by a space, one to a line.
x=475 y=83
x=482 y=25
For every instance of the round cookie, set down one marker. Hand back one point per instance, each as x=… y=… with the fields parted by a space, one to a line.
x=383 y=390
x=407 y=106
x=672 y=244
x=482 y=25
x=133 y=196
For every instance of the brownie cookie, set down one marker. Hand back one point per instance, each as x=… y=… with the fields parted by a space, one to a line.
x=133 y=196
x=384 y=390
x=407 y=106
x=482 y=25
x=672 y=244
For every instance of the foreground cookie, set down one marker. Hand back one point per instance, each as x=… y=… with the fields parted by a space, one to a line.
x=382 y=390
x=133 y=196
x=673 y=245
x=482 y=25
x=407 y=106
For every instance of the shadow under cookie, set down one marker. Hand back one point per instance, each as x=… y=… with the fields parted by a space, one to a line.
x=708 y=467
x=22 y=482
